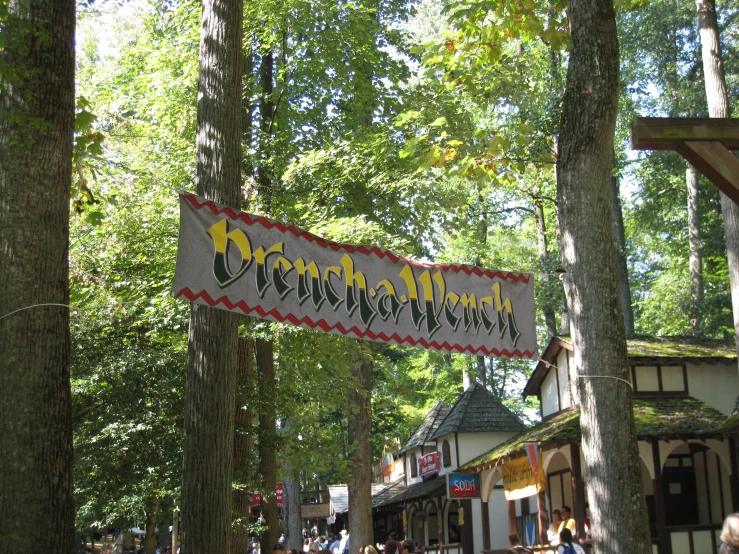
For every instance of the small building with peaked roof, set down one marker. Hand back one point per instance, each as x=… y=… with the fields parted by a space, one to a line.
x=684 y=390
x=448 y=437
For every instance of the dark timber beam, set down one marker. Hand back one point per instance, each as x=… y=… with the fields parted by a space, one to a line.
x=704 y=142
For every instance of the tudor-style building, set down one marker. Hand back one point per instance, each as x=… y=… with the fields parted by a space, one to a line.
x=684 y=392
x=451 y=436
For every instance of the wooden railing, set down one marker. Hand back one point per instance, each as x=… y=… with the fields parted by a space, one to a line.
x=451 y=548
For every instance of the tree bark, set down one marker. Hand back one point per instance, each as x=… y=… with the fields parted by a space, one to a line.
x=36 y=131
x=152 y=518
x=694 y=243
x=718 y=106
x=242 y=445
x=267 y=439
x=619 y=244
x=541 y=241
x=210 y=396
x=612 y=465
x=360 y=457
x=291 y=509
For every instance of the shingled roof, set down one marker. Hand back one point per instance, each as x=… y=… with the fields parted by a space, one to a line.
x=422 y=435
x=432 y=487
x=478 y=411
x=662 y=417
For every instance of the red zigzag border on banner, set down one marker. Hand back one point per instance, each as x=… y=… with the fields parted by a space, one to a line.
x=379 y=252
x=191 y=296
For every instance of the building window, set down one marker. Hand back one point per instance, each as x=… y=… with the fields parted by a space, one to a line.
x=414 y=466
x=446 y=454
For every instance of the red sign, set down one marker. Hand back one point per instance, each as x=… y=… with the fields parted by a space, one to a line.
x=279 y=494
x=428 y=463
x=256 y=499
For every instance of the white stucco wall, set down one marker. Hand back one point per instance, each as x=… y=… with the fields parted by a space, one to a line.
x=412 y=480
x=565 y=398
x=549 y=400
x=498 y=512
x=716 y=385
x=472 y=445
x=452 y=450
x=477 y=524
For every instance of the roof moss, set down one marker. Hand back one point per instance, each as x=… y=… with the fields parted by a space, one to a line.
x=674 y=347
x=654 y=417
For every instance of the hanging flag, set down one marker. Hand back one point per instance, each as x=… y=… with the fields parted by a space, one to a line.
x=532 y=453
x=252 y=265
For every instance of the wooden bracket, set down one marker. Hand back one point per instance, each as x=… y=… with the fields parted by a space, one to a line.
x=704 y=142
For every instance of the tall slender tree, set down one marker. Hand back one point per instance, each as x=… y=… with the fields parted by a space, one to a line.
x=36 y=131
x=718 y=106
x=210 y=398
x=600 y=373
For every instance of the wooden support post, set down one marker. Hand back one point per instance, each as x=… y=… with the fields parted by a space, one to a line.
x=512 y=517
x=485 y=526
x=578 y=491
x=664 y=545
x=734 y=478
x=541 y=506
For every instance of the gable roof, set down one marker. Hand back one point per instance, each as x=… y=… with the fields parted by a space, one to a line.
x=663 y=417
x=642 y=350
x=422 y=435
x=478 y=411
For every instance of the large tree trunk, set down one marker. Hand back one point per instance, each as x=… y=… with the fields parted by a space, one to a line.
x=243 y=433
x=210 y=396
x=291 y=510
x=619 y=244
x=360 y=457
x=541 y=241
x=718 y=106
x=267 y=438
x=612 y=464
x=36 y=130
x=694 y=243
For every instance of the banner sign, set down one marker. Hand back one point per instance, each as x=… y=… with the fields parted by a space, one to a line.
x=428 y=464
x=464 y=486
x=257 y=266
x=388 y=465
x=519 y=479
x=313 y=511
x=280 y=495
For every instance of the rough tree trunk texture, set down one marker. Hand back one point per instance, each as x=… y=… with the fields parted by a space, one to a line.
x=609 y=445
x=210 y=396
x=482 y=371
x=360 y=457
x=694 y=243
x=291 y=508
x=266 y=439
x=718 y=106
x=619 y=244
x=152 y=518
x=541 y=240
x=243 y=434
x=36 y=129
x=266 y=114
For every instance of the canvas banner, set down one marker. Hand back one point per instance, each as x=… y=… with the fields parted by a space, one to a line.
x=252 y=265
x=519 y=479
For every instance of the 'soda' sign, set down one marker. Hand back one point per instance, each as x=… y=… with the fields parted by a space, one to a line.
x=253 y=265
